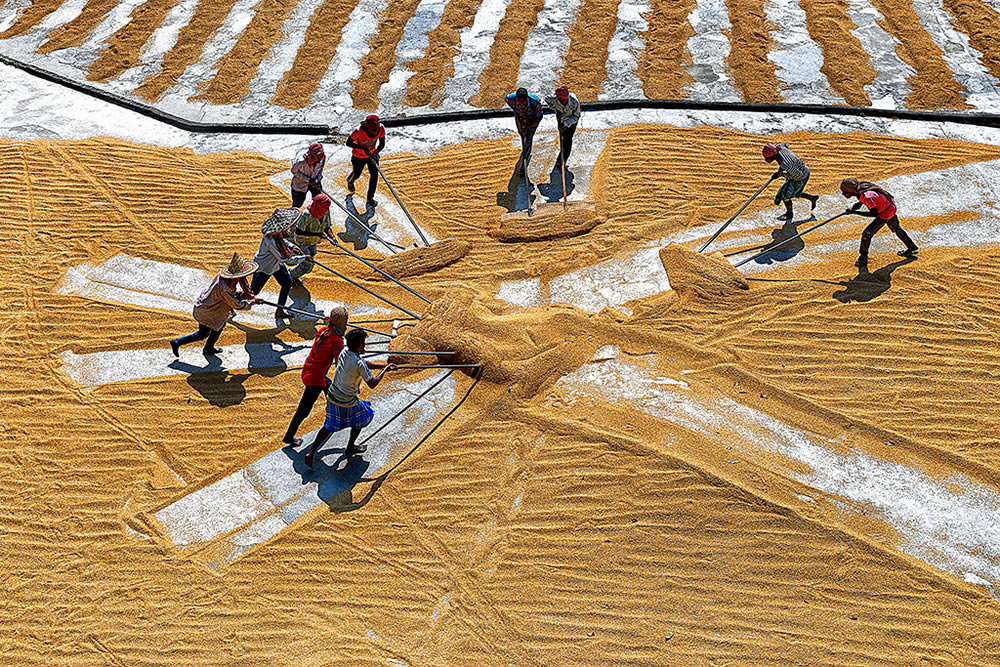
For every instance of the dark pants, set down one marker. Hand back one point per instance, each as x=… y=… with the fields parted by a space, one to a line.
x=282 y=276
x=358 y=165
x=566 y=134
x=306 y=403
x=203 y=333
x=527 y=138
x=299 y=198
x=877 y=224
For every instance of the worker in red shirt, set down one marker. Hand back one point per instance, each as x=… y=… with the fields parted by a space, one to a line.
x=881 y=206
x=326 y=348
x=367 y=142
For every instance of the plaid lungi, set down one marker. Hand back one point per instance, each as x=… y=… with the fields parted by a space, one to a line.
x=356 y=416
x=790 y=189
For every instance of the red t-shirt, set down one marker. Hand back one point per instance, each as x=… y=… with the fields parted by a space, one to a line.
x=362 y=138
x=876 y=201
x=326 y=348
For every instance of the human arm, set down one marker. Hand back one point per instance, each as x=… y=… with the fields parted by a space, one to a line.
x=373 y=381
x=378 y=149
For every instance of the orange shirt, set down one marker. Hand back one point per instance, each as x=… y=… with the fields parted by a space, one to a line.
x=362 y=138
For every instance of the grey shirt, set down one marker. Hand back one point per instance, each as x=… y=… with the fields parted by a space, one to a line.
x=568 y=112
x=792 y=166
x=269 y=257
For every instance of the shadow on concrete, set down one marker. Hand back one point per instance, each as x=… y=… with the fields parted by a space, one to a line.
x=866 y=286
x=553 y=190
x=516 y=196
x=787 y=250
x=335 y=476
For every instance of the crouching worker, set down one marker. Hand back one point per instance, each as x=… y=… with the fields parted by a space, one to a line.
x=343 y=407
x=216 y=304
x=882 y=207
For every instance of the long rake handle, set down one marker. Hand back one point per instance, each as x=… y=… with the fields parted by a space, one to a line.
x=790 y=238
x=359 y=286
x=735 y=215
x=399 y=201
x=321 y=316
x=391 y=246
x=380 y=271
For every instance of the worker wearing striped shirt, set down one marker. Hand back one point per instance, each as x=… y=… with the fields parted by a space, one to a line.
x=796 y=175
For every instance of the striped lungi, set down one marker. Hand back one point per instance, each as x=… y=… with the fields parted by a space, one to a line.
x=790 y=189
x=356 y=416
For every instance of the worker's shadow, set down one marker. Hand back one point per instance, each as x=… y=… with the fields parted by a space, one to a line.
x=788 y=249
x=335 y=476
x=866 y=286
x=224 y=388
x=516 y=196
x=553 y=190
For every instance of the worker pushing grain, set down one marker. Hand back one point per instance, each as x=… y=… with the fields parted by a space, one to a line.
x=568 y=113
x=275 y=252
x=312 y=226
x=344 y=408
x=796 y=174
x=326 y=347
x=881 y=206
x=366 y=143
x=227 y=292
x=527 y=115
x=307 y=174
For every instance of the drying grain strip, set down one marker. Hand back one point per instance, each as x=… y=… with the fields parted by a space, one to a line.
x=438 y=61
x=237 y=69
x=500 y=76
x=31 y=18
x=122 y=50
x=585 y=65
x=846 y=64
x=314 y=57
x=933 y=85
x=661 y=66
x=753 y=73
x=75 y=32
x=379 y=61
x=981 y=23
x=208 y=17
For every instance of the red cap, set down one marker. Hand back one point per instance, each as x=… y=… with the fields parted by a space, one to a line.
x=562 y=93
x=319 y=205
x=770 y=150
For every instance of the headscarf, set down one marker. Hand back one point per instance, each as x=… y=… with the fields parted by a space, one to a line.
x=315 y=153
x=371 y=125
x=770 y=150
x=319 y=206
x=562 y=93
x=336 y=324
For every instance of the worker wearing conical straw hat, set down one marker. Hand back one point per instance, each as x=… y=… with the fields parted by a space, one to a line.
x=275 y=252
x=314 y=225
x=326 y=347
x=527 y=115
x=568 y=113
x=881 y=206
x=227 y=292
x=366 y=143
x=307 y=173
x=796 y=175
x=344 y=409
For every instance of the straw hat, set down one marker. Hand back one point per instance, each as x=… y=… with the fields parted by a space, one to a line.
x=280 y=220
x=238 y=267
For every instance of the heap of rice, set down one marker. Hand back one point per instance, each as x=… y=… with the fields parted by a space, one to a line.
x=548 y=221
x=691 y=272
x=424 y=260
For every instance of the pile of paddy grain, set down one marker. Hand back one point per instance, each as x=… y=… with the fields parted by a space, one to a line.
x=424 y=260
x=548 y=221
x=709 y=276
